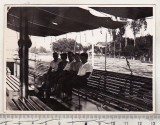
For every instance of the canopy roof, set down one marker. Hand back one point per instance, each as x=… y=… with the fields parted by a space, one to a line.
x=54 y=21
x=127 y=12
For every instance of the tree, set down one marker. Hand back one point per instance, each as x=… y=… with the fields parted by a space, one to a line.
x=144 y=45
x=42 y=50
x=119 y=38
x=128 y=51
x=97 y=50
x=34 y=50
x=112 y=32
x=86 y=48
x=65 y=45
x=136 y=25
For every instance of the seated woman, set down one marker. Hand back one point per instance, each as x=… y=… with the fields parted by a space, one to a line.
x=81 y=78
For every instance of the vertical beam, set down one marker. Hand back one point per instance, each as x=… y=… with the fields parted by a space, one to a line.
x=75 y=44
x=105 y=76
x=25 y=55
x=80 y=42
x=106 y=51
x=114 y=48
x=24 y=44
x=20 y=53
x=125 y=37
x=92 y=53
x=92 y=49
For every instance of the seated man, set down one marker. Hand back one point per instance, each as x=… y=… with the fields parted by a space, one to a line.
x=54 y=63
x=63 y=63
x=81 y=78
x=51 y=74
x=65 y=74
x=69 y=71
x=53 y=67
x=74 y=68
x=61 y=66
x=71 y=60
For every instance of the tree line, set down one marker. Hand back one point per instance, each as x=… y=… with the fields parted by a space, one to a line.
x=38 y=50
x=141 y=48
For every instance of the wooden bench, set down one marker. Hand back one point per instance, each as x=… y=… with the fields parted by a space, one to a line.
x=118 y=91
x=16 y=103
x=13 y=86
x=30 y=104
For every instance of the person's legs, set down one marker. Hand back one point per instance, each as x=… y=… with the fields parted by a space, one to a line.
x=58 y=86
x=67 y=87
x=45 y=87
x=50 y=81
x=75 y=82
x=48 y=90
x=78 y=82
x=63 y=79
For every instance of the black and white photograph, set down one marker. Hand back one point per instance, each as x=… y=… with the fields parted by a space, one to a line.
x=79 y=58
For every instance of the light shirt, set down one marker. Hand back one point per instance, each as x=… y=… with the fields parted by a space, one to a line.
x=84 y=69
x=75 y=66
x=68 y=65
x=54 y=65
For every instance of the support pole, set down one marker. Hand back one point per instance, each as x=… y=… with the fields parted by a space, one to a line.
x=92 y=53
x=80 y=41
x=24 y=44
x=20 y=54
x=106 y=51
x=105 y=76
x=92 y=49
x=75 y=44
x=125 y=37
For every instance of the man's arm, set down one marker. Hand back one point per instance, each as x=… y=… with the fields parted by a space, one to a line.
x=49 y=70
x=86 y=75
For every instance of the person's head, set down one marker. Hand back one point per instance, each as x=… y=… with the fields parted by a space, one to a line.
x=77 y=57
x=64 y=56
x=55 y=56
x=84 y=57
x=70 y=56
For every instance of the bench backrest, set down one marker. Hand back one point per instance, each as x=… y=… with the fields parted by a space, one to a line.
x=122 y=81
x=123 y=86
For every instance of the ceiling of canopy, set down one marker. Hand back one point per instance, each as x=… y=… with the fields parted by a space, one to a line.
x=127 y=12
x=54 y=21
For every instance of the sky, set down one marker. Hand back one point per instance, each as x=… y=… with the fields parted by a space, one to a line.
x=85 y=37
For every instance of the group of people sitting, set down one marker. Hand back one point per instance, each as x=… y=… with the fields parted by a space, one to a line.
x=64 y=75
